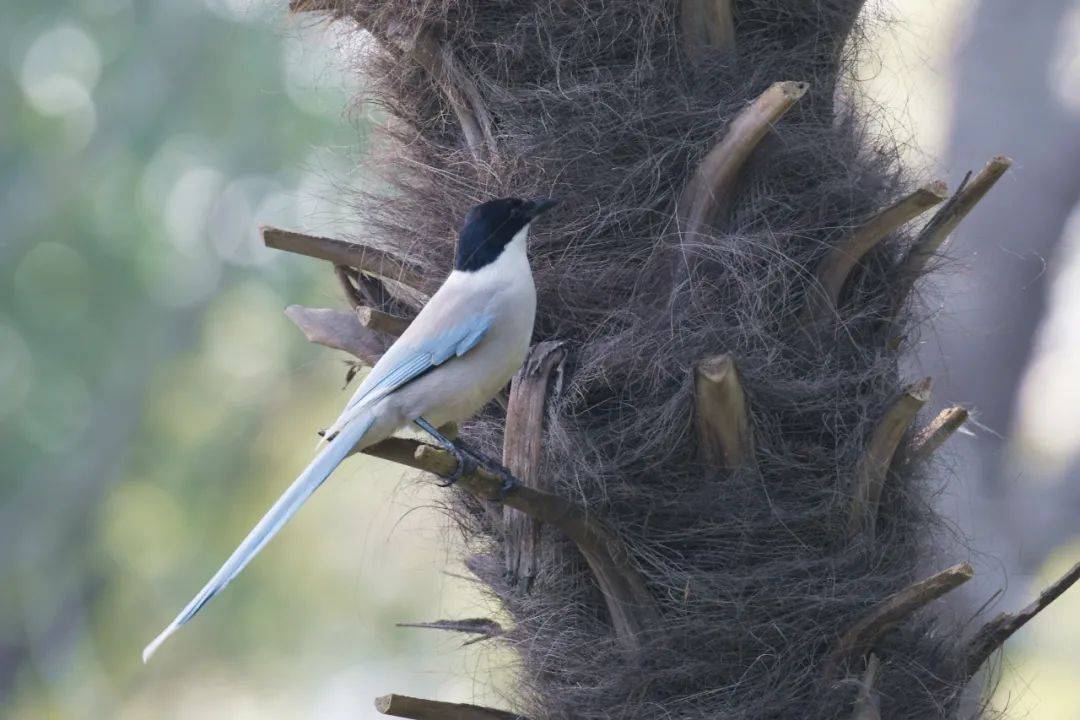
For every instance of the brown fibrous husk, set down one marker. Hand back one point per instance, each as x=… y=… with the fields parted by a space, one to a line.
x=598 y=104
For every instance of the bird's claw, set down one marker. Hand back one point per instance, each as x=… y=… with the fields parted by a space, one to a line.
x=508 y=485
x=466 y=465
x=507 y=482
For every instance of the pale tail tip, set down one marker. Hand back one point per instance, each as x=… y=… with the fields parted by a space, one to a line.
x=149 y=650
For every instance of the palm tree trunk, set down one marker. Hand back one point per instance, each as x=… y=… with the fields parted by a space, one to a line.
x=725 y=507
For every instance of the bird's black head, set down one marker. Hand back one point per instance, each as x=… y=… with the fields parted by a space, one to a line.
x=491 y=226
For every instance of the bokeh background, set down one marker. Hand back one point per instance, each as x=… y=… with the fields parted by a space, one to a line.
x=154 y=400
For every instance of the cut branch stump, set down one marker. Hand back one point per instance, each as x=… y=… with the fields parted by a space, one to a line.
x=994 y=634
x=404 y=706
x=483 y=628
x=725 y=437
x=946 y=220
x=823 y=297
x=338 y=330
x=706 y=25
x=860 y=638
x=522 y=445
x=873 y=467
x=709 y=191
x=367 y=260
x=931 y=437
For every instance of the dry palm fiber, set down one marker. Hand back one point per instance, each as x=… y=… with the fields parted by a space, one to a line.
x=603 y=105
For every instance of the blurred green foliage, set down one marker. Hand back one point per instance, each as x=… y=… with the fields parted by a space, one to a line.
x=154 y=400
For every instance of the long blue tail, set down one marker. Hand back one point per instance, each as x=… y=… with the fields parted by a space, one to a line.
x=285 y=507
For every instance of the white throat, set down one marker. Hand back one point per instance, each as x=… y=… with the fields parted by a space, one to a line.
x=511 y=267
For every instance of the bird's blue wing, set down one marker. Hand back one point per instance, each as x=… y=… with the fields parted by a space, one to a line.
x=408 y=359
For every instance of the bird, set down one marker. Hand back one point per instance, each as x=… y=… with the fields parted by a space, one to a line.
x=459 y=352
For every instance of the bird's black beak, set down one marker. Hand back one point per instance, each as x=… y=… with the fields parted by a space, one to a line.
x=539 y=207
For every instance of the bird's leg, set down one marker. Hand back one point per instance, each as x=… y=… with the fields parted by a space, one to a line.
x=468 y=459
x=466 y=464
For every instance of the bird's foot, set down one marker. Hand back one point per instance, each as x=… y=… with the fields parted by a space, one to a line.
x=508 y=483
x=466 y=465
x=468 y=461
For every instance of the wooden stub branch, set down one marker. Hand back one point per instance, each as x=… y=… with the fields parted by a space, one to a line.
x=860 y=638
x=633 y=610
x=993 y=634
x=395 y=449
x=725 y=436
x=956 y=209
x=832 y=273
x=874 y=465
x=706 y=24
x=367 y=260
x=709 y=191
x=381 y=322
x=931 y=437
x=404 y=706
x=337 y=329
x=402 y=450
x=521 y=455
x=867 y=703
x=483 y=628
